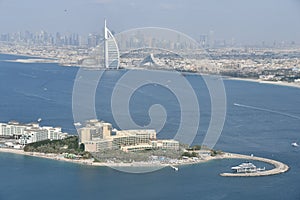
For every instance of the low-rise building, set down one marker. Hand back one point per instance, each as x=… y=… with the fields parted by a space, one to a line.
x=165 y=144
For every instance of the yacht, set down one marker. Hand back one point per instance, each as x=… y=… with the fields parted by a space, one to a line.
x=294 y=144
x=247 y=168
x=77 y=124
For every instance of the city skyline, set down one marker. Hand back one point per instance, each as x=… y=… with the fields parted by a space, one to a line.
x=245 y=22
x=205 y=40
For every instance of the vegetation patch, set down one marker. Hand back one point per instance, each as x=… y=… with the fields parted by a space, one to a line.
x=68 y=145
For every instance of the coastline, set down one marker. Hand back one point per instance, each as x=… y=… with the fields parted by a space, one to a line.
x=46 y=156
x=279 y=83
x=49 y=59
x=279 y=167
x=91 y=161
x=36 y=58
x=29 y=56
x=33 y=60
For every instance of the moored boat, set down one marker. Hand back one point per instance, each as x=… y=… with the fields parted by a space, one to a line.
x=247 y=168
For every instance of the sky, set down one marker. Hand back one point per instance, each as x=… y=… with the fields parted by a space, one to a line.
x=248 y=21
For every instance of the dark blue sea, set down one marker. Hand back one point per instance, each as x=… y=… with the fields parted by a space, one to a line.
x=265 y=126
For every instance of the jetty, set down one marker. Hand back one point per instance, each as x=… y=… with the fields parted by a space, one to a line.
x=279 y=167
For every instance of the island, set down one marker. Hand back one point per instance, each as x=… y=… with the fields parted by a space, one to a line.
x=98 y=144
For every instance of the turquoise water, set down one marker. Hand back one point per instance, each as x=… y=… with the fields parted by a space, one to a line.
x=31 y=91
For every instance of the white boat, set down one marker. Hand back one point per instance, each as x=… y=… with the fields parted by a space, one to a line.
x=39 y=120
x=247 y=168
x=77 y=124
x=294 y=144
x=173 y=167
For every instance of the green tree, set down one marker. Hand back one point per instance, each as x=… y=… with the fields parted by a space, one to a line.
x=81 y=147
x=194 y=154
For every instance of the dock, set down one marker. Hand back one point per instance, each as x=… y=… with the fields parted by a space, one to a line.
x=279 y=167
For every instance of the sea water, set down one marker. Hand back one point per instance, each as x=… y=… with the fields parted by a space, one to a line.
x=33 y=90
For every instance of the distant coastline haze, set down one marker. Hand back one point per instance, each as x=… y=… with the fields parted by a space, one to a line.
x=244 y=21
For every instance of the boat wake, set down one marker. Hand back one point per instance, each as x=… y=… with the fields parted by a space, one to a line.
x=267 y=110
x=31 y=95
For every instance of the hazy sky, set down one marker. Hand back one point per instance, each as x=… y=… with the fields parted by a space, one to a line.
x=244 y=20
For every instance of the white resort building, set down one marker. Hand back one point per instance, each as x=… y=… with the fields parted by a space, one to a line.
x=97 y=136
x=29 y=133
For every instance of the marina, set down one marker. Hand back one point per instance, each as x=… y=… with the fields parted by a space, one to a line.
x=279 y=167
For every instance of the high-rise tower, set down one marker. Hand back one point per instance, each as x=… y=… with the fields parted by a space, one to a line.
x=111 y=50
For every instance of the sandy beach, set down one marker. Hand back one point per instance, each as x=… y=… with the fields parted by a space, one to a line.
x=278 y=166
x=91 y=161
x=49 y=156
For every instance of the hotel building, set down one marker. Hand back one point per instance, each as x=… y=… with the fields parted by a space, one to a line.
x=97 y=136
x=29 y=133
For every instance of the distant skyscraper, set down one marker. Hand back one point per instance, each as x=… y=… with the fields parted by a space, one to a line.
x=58 y=40
x=92 y=40
x=203 y=40
x=83 y=41
x=211 y=39
x=111 y=50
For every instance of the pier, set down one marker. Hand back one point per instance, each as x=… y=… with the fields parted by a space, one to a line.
x=279 y=167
